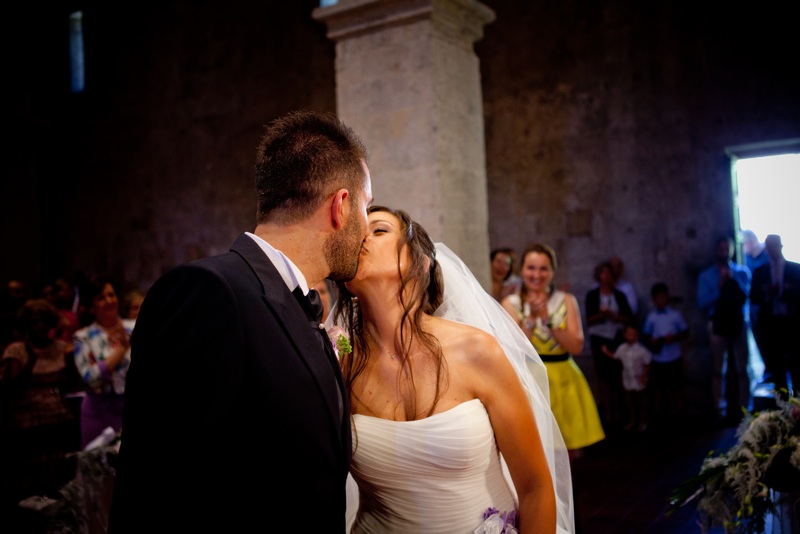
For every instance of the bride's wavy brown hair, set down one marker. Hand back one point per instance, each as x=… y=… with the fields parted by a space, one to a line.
x=421 y=292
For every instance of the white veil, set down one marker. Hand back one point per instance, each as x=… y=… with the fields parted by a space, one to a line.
x=465 y=301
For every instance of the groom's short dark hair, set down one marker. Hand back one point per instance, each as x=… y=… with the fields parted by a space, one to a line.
x=302 y=158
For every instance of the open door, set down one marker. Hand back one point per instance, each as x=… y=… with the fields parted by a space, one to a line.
x=766 y=192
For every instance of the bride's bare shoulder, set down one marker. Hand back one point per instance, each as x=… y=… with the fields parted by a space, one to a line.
x=464 y=341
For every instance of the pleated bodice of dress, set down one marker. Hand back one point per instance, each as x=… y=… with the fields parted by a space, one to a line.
x=437 y=474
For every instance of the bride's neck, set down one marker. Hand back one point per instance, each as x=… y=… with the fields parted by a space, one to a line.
x=383 y=325
x=382 y=321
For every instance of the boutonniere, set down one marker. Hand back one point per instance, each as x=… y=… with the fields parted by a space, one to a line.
x=339 y=340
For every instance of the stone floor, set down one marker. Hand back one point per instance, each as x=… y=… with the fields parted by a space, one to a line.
x=623 y=484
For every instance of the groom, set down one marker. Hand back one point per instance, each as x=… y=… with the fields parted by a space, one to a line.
x=236 y=418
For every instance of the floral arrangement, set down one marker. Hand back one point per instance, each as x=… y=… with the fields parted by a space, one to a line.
x=339 y=340
x=85 y=500
x=497 y=522
x=734 y=489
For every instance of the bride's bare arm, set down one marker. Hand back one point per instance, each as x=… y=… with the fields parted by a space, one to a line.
x=499 y=389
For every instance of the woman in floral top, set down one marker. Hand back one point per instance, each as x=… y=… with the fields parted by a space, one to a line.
x=102 y=357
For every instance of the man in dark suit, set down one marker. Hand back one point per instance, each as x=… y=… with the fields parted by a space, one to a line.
x=776 y=291
x=236 y=418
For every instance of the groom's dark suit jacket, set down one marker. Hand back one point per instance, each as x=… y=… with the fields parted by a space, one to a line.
x=231 y=420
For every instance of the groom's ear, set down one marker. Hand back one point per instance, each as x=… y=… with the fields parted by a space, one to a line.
x=339 y=207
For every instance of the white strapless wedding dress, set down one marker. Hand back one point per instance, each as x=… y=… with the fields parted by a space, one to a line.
x=438 y=474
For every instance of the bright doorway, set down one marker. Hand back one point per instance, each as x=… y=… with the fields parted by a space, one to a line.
x=768 y=198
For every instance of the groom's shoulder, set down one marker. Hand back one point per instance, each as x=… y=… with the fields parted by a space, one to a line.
x=200 y=276
x=202 y=267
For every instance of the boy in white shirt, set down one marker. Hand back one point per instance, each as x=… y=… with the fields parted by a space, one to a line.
x=635 y=359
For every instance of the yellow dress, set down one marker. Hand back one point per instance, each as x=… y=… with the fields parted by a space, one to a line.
x=571 y=398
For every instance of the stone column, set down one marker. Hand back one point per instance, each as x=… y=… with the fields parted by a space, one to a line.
x=408 y=82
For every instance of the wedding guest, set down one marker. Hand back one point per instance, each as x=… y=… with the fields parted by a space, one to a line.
x=635 y=360
x=665 y=330
x=776 y=290
x=132 y=303
x=14 y=294
x=37 y=427
x=441 y=396
x=622 y=283
x=755 y=255
x=722 y=290
x=102 y=357
x=230 y=367
x=63 y=298
x=755 y=251
x=504 y=281
x=325 y=292
x=607 y=310
x=551 y=320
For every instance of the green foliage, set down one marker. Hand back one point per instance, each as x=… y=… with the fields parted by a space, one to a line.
x=343 y=344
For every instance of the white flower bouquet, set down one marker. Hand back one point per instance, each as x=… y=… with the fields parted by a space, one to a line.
x=734 y=490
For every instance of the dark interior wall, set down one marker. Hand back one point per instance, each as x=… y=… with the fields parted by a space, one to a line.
x=152 y=165
x=605 y=128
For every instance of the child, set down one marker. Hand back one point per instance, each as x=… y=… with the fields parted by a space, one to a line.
x=664 y=331
x=635 y=359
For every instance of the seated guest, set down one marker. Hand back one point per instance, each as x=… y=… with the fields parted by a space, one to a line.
x=62 y=297
x=132 y=304
x=37 y=428
x=102 y=356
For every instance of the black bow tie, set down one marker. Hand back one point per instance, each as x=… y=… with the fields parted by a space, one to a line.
x=312 y=304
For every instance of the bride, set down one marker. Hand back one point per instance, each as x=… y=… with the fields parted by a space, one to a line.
x=449 y=425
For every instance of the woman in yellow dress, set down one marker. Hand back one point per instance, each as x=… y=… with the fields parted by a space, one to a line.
x=551 y=319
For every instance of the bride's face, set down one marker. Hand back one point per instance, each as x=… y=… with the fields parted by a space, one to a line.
x=378 y=260
x=537 y=272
